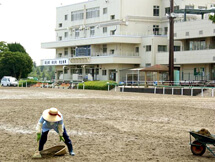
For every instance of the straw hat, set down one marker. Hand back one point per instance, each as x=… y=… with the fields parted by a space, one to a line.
x=52 y=115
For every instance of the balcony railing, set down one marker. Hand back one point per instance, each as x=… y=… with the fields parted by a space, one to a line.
x=115 y=54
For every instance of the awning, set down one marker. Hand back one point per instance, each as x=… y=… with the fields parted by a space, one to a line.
x=156 y=68
x=194 y=11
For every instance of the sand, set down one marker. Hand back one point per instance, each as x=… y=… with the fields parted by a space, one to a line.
x=105 y=126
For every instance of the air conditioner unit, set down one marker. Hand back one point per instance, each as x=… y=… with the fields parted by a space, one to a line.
x=81 y=27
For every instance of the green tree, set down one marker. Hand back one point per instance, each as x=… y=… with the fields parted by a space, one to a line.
x=16 y=47
x=3 y=47
x=15 y=63
x=212 y=17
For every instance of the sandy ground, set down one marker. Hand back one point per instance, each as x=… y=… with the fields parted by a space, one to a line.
x=105 y=126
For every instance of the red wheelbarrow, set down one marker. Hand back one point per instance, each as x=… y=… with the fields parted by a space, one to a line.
x=201 y=143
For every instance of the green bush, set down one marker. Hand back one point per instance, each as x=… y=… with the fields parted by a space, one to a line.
x=30 y=82
x=97 y=85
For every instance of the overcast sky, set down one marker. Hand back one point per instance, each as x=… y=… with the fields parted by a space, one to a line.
x=30 y=22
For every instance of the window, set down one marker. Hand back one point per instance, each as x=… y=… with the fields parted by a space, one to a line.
x=65 y=34
x=162 y=48
x=156 y=11
x=104 y=48
x=177 y=48
x=202 y=7
x=59 y=54
x=156 y=29
x=200 y=32
x=136 y=49
x=76 y=71
x=77 y=15
x=189 y=7
x=147 y=64
x=65 y=51
x=112 y=32
x=65 y=71
x=197 y=45
x=112 y=51
x=60 y=38
x=65 y=17
x=112 y=17
x=148 y=48
x=72 y=51
x=76 y=33
x=165 y=30
x=104 y=10
x=92 y=12
x=92 y=31
x=167 y=9
x=104 y=72
x=104 y=29
x=82 y=51
x=60 y=25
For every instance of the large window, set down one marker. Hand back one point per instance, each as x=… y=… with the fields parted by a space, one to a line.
x=77 y=15
x=82 y=51
x=92 y=12
x=156 y=11
x=197 y=45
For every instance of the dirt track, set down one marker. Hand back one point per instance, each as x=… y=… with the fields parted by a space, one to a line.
x=105 y=126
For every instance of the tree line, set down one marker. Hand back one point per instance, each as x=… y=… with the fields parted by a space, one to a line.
x=43 y=72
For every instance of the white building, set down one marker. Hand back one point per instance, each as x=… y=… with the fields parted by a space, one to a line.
x=97 y=39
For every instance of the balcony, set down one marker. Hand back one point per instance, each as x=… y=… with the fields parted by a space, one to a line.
x=93 y=40
x=96 y=58
x=188 y=57
x=107 y=58
x=194 y=29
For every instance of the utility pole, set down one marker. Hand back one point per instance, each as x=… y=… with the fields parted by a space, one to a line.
x=171 y=42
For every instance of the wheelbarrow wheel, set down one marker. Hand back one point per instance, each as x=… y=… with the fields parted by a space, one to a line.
x=197 y=150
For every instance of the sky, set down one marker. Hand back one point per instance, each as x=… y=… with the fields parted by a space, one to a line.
x=30 y=23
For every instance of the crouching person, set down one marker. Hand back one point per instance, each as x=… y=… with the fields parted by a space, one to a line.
x=52 y=119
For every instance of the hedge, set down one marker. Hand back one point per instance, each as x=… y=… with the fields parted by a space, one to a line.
x=97 y=85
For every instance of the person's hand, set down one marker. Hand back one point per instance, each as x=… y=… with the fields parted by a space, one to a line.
x=62 y=139
x=38 y=136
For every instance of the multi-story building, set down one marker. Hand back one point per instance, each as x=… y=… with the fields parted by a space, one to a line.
x=97 y=39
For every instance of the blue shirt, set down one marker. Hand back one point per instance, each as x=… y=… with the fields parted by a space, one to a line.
x=50 y=125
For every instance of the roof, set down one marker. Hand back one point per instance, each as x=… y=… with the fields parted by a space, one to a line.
x=195 y=11
x=156 y=68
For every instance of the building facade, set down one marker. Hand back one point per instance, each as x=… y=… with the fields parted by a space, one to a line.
x=98 y=39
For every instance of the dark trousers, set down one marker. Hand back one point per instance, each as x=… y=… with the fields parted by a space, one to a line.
x=43 y=140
